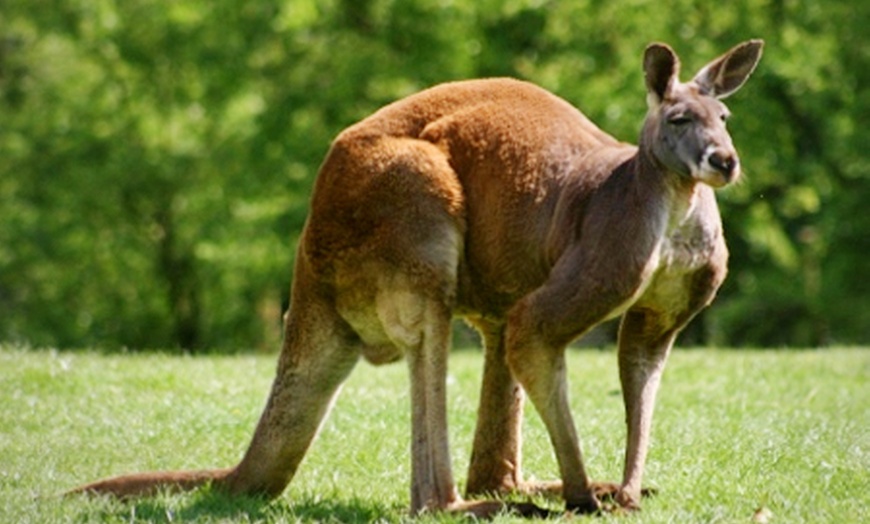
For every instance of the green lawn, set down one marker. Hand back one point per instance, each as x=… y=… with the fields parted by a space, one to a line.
x=735 y=431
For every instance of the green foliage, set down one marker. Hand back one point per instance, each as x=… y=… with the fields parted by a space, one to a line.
x=157 y=156
x=733 y=434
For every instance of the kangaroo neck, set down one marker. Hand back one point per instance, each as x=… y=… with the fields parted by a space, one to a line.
x=651 y=176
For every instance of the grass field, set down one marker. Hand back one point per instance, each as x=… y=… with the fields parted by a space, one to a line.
x=785 y=432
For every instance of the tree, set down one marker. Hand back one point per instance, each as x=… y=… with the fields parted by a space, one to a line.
x=157 y=156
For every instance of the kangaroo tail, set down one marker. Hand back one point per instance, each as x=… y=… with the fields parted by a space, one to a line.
x=149 y=484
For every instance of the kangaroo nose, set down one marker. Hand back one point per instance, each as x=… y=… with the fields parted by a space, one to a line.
x=725 y=163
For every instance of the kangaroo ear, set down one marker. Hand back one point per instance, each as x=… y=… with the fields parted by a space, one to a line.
x=661 y=69
x=726 y=74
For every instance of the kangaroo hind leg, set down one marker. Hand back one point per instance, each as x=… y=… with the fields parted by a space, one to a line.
x=422 y=329
x=396 y=286
x=495 y=465
x=391 y=240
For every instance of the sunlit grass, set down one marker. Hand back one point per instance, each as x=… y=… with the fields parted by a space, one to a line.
x=735 y=432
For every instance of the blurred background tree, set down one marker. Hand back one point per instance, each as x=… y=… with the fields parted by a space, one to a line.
x=156 y=156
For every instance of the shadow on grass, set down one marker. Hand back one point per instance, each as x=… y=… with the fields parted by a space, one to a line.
x=208 y=506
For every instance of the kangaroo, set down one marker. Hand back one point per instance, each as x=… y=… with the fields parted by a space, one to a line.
x=496 y=201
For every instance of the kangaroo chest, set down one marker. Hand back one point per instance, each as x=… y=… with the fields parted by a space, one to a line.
x=686 y=248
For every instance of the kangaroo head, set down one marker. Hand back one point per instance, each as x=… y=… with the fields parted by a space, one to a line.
x=685 y=128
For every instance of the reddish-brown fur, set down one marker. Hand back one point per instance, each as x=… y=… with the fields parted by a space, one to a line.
x=499 y=202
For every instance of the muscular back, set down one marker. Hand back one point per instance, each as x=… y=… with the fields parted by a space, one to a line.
x=520 y=163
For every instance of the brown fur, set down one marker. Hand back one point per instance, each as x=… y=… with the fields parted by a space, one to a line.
x=499 y=202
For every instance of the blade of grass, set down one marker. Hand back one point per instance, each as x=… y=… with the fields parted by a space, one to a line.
x=735 y=432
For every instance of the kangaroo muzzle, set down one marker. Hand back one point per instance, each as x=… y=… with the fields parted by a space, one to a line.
x=719 y=167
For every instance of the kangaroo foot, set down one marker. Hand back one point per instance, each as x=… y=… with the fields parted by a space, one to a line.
x=547 y=488
x=488 y=509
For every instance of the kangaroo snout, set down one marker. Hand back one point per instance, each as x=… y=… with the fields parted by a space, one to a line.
x=720 y=167
x=725 y=163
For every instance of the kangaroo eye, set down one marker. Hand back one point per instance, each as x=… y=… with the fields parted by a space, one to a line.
x=679 y=120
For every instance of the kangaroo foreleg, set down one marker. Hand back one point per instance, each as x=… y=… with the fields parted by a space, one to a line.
x=540 y=367
x=539 y=328
x=645 y=339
